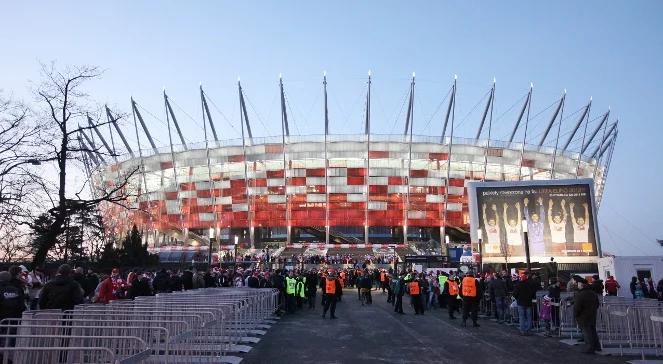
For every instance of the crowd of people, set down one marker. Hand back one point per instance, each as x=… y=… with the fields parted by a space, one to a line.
x=502 y=296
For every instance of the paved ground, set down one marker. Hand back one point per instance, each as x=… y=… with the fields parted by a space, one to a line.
x=374 y=334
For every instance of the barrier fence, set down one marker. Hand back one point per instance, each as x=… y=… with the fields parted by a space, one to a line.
x=625 y=326
x=196 y=326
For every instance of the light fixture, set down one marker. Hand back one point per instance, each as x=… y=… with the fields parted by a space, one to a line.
x=236 y=239
x=524 y=224
x=446 y=239
x=211 y=232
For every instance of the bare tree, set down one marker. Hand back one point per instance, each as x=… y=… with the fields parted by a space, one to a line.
x=64 y=104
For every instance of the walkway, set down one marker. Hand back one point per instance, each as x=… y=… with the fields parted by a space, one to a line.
x=374 y=334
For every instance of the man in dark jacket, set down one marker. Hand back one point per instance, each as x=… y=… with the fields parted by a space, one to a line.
x=140 y=287
x=399 y=291
x=91 y=283
x=61 y=292
x=12 y=298
x=311 y=288
x=524 y=292
x=187 y=278
x=497 y=288
x=160 y=282
x=585 y=307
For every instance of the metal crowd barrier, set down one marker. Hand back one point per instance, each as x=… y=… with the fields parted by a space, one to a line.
x=196 y=326
x=72 y=354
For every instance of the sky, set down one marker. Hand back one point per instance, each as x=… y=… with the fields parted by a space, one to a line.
x=609 y=51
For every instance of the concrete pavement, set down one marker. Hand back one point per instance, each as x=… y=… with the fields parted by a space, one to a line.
x=375 y=334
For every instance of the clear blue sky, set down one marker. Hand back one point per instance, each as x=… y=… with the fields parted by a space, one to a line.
x=609 y=50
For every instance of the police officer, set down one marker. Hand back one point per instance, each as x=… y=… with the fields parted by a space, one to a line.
x=469 y=292
x=330 y=288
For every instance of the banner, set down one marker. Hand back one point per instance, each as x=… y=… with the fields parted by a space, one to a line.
x=558 y=215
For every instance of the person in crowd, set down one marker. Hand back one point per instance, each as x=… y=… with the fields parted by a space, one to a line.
x=659 y=290
x=398 y=286
x=253 y=281
x=650 y=289
x=140 y=286
x=524 y=293
x=469 y=292
x=187 y=278
x=365 y=285
x=498 y=294
x=175 y=282
x=36 y=282
x=597 y=285
x=91 y=283
x=545 y=315
x=12 y=298
x=634 y=286
x=160 y=284
x=61 y=292
x=611 y=286
x=554 y=292
x=311 y=288
x=198 y=280
x=585 y=308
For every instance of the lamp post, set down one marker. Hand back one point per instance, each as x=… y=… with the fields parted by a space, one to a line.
x=393 y=258
x=480 y=235
x=446 y=240
x=236 y=245
x=529 y=264
x=209 y=252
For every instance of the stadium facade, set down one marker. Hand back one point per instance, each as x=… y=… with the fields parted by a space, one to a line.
x=334 y=189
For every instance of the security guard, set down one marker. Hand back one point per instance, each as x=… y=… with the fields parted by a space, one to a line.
x=300 y=290
x=415 y=288
x=291 y=290
x=442 y=298
x=451 y=287
x=469 y=291
x=330 y=290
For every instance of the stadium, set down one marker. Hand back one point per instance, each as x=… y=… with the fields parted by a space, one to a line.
x=362 y=191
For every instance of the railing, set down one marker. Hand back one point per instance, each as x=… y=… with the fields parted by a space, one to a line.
x=205 y=325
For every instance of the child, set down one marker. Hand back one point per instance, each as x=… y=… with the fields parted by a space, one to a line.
x=544 y=315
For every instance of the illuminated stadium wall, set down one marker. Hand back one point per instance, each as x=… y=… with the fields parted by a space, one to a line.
x=347 y=185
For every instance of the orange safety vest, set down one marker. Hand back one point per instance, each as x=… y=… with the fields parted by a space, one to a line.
x=469 y=287
x=414 y=288
x=382 y=277
x=453 y=288
x=330 y=286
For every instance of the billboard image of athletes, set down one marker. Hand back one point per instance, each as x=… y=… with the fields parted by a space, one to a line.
x=558 y=215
